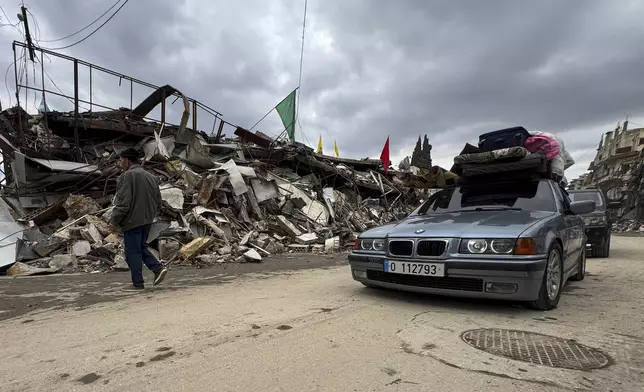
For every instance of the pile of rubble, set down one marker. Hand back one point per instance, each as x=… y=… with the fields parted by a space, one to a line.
x=628 y=226
x=224 y=200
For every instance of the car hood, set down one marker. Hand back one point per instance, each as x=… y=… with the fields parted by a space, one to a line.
x=469 y=224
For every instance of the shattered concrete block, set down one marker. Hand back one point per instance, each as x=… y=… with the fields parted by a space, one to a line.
x=295 y=248
x=45 y=247
x=81 y=248
x=101 y=225
x=195 y=246
x=78 y=205
x=307 y=238
x=287 y=226
x=22 y=269
x=273 y=248
x=60 y=262
x=209 y=259
x=111 y=239
x=91 y=234
x=168 y=248
x=173 y=196
x=246 y=238
x=225 y=250
x=252 y=256
x=317 y=248
x=121 y=264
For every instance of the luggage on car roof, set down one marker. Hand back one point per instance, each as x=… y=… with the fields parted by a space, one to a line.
x=534 y=163
x=504 y=138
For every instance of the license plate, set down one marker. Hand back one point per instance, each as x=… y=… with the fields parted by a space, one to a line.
x=407 y=268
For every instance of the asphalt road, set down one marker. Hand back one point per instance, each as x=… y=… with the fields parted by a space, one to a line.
x=306 y=330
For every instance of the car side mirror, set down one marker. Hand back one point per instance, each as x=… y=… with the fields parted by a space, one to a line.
x=582 y=207
x=613 y=205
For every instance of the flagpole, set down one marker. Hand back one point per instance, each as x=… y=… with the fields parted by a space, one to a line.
x=270 y=111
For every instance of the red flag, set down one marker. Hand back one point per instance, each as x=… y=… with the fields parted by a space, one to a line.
x=384 y=156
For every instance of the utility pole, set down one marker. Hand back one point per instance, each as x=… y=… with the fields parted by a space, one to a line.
x=30 y=44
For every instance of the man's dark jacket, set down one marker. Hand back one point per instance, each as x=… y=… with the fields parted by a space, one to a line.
x=137 y=199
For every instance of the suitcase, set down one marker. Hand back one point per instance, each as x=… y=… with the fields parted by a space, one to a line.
x=504 y=138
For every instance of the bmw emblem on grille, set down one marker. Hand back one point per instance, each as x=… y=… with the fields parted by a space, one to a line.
x=419 y=231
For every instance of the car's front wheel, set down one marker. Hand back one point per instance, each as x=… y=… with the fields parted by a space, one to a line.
x=552 y=282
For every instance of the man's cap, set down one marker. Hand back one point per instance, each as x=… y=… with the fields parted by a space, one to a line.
x=130 y=153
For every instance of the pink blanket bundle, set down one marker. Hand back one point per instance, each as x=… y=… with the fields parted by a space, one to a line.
x=543 y=143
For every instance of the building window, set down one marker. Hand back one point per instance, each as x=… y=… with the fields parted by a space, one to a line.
x=623 y=150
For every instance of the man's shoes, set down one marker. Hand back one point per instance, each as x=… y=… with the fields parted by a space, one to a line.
x=134 y=289
x=160 y=275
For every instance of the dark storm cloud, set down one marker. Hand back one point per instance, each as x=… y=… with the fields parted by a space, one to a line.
x=451 y=69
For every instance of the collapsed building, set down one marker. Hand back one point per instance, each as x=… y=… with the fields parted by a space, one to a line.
x=225 y=199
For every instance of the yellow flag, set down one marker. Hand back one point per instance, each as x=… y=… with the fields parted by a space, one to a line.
x=335 y=147
x=319 y=151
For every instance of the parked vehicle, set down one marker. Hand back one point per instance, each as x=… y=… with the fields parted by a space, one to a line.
x=512 y=240
x=598 y=223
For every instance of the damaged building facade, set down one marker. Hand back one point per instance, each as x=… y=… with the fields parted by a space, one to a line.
x=225 y=199
x=618 y=170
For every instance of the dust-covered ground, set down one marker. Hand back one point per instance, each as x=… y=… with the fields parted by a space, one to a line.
x=290 y=329
x=78 y=291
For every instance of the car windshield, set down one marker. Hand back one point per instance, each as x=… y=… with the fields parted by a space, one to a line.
x=583 y=196
x=529 y=195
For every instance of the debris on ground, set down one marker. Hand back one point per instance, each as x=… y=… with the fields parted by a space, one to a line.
x=224 y=200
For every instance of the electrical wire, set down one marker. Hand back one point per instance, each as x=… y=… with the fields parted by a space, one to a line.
x=14 y=25
x=93 y=32
x=299 y=82
x=86 y=27
x=6 y=74
x=61 y=91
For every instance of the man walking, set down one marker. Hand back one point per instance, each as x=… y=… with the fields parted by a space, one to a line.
x=136 y=205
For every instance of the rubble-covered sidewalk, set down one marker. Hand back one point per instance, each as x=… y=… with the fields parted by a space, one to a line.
x=224 y=199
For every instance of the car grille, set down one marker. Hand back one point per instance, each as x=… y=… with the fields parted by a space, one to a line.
x=401 y=248
x=431 y=248
x=461 y=284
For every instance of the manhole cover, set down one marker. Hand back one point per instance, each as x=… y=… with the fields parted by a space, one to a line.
x=536 y=348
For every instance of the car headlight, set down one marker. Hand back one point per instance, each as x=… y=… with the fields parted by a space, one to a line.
x=595 y=220
x=372 y=244
x=487 y=245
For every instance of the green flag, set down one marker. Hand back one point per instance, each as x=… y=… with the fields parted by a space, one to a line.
x=286 y=110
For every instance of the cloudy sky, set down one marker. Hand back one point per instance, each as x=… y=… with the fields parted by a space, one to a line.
x=450 y=69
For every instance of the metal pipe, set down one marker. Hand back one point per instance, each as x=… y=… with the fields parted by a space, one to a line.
x=194 y=115
x=221 y=127
x=163 y=107
x=15 y=71
x=110 y=72
x=76 y=139
x=91 y=109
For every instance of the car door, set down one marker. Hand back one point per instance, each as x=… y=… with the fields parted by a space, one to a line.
x=573 y=229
